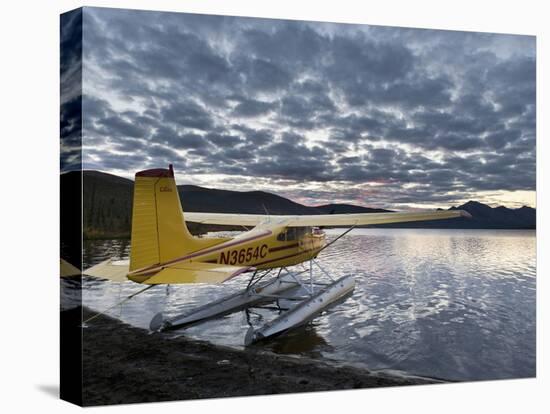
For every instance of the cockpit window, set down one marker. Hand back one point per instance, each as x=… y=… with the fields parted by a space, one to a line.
x=293 y=233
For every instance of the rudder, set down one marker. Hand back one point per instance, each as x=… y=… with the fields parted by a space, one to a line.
x=159 y=233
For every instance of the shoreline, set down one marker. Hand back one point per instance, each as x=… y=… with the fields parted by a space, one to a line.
x=123 y=364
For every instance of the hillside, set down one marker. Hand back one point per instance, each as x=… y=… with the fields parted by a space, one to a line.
x=483 y=217
x=194 y=198
x=108 y=207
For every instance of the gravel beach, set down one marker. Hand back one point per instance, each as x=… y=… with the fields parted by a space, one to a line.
x=123 y=364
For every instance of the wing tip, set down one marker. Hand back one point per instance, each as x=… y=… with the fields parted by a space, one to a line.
x=464 y=213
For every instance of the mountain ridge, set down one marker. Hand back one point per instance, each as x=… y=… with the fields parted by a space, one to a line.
x=107 y=205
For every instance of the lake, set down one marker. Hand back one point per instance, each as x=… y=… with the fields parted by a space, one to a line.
x=449 y=304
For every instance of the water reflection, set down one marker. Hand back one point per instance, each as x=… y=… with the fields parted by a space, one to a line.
x=302 y=341
x=443 y=303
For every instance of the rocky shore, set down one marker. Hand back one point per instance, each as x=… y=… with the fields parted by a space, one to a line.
x=123 y=364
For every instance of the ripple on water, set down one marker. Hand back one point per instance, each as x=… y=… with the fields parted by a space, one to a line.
x=450 y=304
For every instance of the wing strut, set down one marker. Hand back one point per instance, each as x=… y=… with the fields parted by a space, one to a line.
x=118 y=303
x=337 y=238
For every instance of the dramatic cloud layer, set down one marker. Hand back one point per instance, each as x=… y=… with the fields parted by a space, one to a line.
x=317 y=112
x=71 y=91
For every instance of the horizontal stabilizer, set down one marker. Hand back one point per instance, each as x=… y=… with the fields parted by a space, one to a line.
x=67 y=270
x=195 y=272
x=110 y=269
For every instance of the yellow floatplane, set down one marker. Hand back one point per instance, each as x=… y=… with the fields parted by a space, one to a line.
x=163 y=252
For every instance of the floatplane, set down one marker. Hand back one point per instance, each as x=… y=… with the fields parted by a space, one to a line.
x=164 y=252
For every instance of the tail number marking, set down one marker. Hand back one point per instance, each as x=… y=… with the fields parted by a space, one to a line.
x=232 y=257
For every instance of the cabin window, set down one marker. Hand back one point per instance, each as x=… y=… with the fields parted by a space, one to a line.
x=293 y=233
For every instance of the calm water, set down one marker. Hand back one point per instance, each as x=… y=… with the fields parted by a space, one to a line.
x=450 y=304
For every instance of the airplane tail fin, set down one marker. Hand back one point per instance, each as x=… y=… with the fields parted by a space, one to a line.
x=159 y=233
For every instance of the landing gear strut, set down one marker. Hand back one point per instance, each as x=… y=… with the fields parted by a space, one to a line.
x=311 y=299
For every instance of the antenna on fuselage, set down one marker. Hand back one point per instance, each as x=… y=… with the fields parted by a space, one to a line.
x=266 y=211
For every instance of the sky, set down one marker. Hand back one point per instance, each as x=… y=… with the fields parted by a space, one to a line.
x=377 y=116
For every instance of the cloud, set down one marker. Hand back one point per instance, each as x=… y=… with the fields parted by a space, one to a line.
x=252 y=108
x=187 y=114
x=71 y=91
x=356 y=109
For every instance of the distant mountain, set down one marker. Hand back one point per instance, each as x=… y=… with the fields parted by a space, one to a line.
x=199 y=199
x=483 y=217
x=108 y=207
x=500 y=217
x=348 y=209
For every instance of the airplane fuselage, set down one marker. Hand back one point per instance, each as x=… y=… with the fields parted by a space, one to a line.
x=283 y=247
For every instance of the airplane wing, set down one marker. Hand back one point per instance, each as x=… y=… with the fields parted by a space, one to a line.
x=248 y=220
x=187 y=272
x=356 y=219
